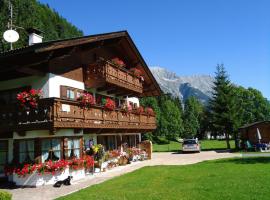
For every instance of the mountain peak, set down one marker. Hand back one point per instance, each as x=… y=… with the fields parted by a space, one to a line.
x=200 y=86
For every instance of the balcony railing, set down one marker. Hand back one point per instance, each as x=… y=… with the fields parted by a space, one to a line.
x=117 y=76
x=54 y=113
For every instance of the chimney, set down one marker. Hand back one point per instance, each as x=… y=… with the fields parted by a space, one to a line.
x=34 y=36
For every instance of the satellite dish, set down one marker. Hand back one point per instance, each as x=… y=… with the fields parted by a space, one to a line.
x=11 y=36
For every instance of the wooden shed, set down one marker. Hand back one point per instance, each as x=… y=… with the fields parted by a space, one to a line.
x=249 y=132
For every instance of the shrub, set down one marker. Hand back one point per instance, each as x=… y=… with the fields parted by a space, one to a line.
x=162 y=140
x=5 y=195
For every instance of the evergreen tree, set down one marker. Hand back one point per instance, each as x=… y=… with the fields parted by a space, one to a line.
x=192 y=117
x=222 y=105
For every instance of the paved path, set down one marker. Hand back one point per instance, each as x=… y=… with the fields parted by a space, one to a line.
x=49 y=192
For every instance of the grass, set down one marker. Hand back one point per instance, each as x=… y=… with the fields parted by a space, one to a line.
x=205 y=144
x=226 y=179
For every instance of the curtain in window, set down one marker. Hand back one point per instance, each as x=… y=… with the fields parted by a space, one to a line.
x=26 y=151
x=56 y=147
x=22 y=151
x=45 y=147
x=74 y=148
x=51 y=149
x=77 y=147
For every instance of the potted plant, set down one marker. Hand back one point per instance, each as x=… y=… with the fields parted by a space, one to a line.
x=110 y=104
x=29 y=99
x=149 y=111
x=118 y=62
x=140 y=110
x=86 y=100
x=136 y=72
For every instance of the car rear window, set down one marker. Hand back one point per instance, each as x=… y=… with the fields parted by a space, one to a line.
x=190 y=142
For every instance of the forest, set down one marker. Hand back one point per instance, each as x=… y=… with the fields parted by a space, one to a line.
x=32 y=14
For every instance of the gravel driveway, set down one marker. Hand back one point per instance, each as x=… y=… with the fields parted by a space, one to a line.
x=49 y=192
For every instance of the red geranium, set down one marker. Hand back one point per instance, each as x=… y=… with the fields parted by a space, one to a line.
x=149 y=111
x=29 y=99
x=86 y=100
x=118 y=62
x=136 y=72
x=110 y=104
x=140 y=110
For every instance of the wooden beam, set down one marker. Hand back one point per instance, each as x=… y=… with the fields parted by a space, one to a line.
x=30 y=71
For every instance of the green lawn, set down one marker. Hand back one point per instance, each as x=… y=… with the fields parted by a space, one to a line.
x=226 y=179
x=206 y=145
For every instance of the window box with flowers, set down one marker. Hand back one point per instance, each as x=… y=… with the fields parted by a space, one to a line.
x=29 y=99
x=49 y=172
x=86 y=100
x=109 y=104
x=149 y=111
x=136 y=72
x=118 y=62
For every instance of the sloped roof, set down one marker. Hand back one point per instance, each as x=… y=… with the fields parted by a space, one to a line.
x=45 y=47
x=254 y=124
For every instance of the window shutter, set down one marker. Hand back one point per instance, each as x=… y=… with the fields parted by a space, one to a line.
x=81 y=147
x=63 y=92
x=65 y=145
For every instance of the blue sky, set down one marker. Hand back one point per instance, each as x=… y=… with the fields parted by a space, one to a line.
x=186 y=36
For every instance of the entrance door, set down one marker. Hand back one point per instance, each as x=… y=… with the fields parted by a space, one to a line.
x=3 y=154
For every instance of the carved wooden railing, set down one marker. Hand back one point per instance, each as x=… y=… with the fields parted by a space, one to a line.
x=53 y=113
x=118 y=76
x=15 y=118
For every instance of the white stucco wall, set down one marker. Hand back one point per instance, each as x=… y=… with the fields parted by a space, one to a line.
x=46 y=133
x=49 y=84
x=36 y=82
x=55 y=81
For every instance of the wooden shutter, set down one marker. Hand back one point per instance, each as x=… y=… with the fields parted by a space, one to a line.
x=65 y=148
x=63 y=92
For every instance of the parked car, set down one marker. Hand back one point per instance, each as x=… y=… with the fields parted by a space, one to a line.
x=191 y=145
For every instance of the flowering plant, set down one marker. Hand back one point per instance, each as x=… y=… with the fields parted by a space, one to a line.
x=29 y=99
x=149 y=111
x=118 y=62
x=126 y=107
x=50 y=167
x=140 y=110
x=99 y=152
x=110 y=104
x=114 y=153
x=86 y=100
x=136 y=72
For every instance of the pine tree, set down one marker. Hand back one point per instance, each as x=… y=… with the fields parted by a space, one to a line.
x=222 y=105
x=192 y=117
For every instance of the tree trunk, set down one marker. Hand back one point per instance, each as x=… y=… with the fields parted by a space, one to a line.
x=236 y=141
x=228 y=141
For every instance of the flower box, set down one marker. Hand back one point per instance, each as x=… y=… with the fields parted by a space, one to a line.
x=36 y=180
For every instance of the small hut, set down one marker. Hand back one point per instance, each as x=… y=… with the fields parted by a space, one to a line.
x=250 y=132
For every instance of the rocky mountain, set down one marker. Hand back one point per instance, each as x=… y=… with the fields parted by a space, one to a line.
x=183 y=87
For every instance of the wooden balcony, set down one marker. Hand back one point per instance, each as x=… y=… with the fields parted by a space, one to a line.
x=54 y=113
x=107 y=76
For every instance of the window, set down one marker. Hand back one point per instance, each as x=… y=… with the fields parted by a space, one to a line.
x=74 y=149
x=3 y=154
x=50 y=149
x=70 y=94
x=26 y=151
x=10 y=96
